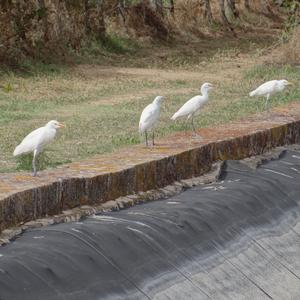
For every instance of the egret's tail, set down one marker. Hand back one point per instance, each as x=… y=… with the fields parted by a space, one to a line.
x=141 y=128
x=23 y=148
x=18 y=151
x=175 y=116
x=253 y=93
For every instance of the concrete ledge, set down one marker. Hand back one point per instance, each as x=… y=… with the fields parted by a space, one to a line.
x=131 y=170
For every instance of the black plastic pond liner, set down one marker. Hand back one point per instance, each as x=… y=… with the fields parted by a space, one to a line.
x=236 y=239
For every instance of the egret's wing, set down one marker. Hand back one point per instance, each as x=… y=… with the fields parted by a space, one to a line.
x=267 y=87
x=34 y=134
x=148 y=117
x=189 y=107
x=36 y=138
x=264 y=89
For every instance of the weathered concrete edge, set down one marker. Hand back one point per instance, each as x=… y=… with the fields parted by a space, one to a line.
x=69 y=193
x=77 y=213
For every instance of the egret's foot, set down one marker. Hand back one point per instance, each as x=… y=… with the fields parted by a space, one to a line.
x=34 y=174
x=266 y=107
x=197 y=136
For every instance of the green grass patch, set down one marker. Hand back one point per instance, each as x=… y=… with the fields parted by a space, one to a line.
x=44 y=161
x=269 y=72
x=108 y=46
x=120 y=45
x=32 y=68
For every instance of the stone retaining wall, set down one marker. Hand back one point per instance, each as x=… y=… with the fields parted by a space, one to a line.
x=128 y=171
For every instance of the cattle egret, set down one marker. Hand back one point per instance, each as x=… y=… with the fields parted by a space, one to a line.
x=192 y=106
x=269 y=88
x=149 y=117
x=36 y=140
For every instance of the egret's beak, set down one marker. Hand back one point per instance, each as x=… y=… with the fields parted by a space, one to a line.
x=289 y=83
x=61 y=125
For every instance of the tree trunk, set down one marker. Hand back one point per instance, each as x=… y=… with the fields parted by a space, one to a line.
x=87 y=17
x=121 y=10
x=246 y=4
x=207 y=11
x=172 y=8
x=266 y=9
x=231 y=5
x=224 y=18
x=223 y=14
x=159 y=7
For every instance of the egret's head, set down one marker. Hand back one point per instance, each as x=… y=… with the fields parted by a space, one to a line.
x=158 y=99
x=206 y=87
x=285 y=82
x=55 y=124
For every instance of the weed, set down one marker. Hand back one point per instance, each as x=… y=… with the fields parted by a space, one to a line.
x=24 y=162
x=7 y=88
x=269 y=72
x=109 y=45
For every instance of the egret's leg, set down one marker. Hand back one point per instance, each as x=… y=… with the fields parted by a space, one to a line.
x=186 y=126
x=153 y=138
x=267 y=102
x=193 y=126
x=35 y=154
x=146 y=136
x=258 y=107
x=265 y=105
x=195 y=134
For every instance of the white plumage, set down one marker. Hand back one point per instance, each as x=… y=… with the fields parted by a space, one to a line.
x=192 y=106
x=149 y=117
x=269 y=88
x=36 y=140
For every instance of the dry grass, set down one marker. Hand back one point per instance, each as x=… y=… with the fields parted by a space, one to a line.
x=288 y=52
x=190 y=21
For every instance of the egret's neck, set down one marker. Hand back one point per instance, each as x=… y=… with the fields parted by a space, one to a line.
x=50 y=127
x=157 y=102
x=204 y=92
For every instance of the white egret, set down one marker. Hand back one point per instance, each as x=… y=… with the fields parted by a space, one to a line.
x=269 y=88
x=192 y=106
x=149 y=117
x=36 y=140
